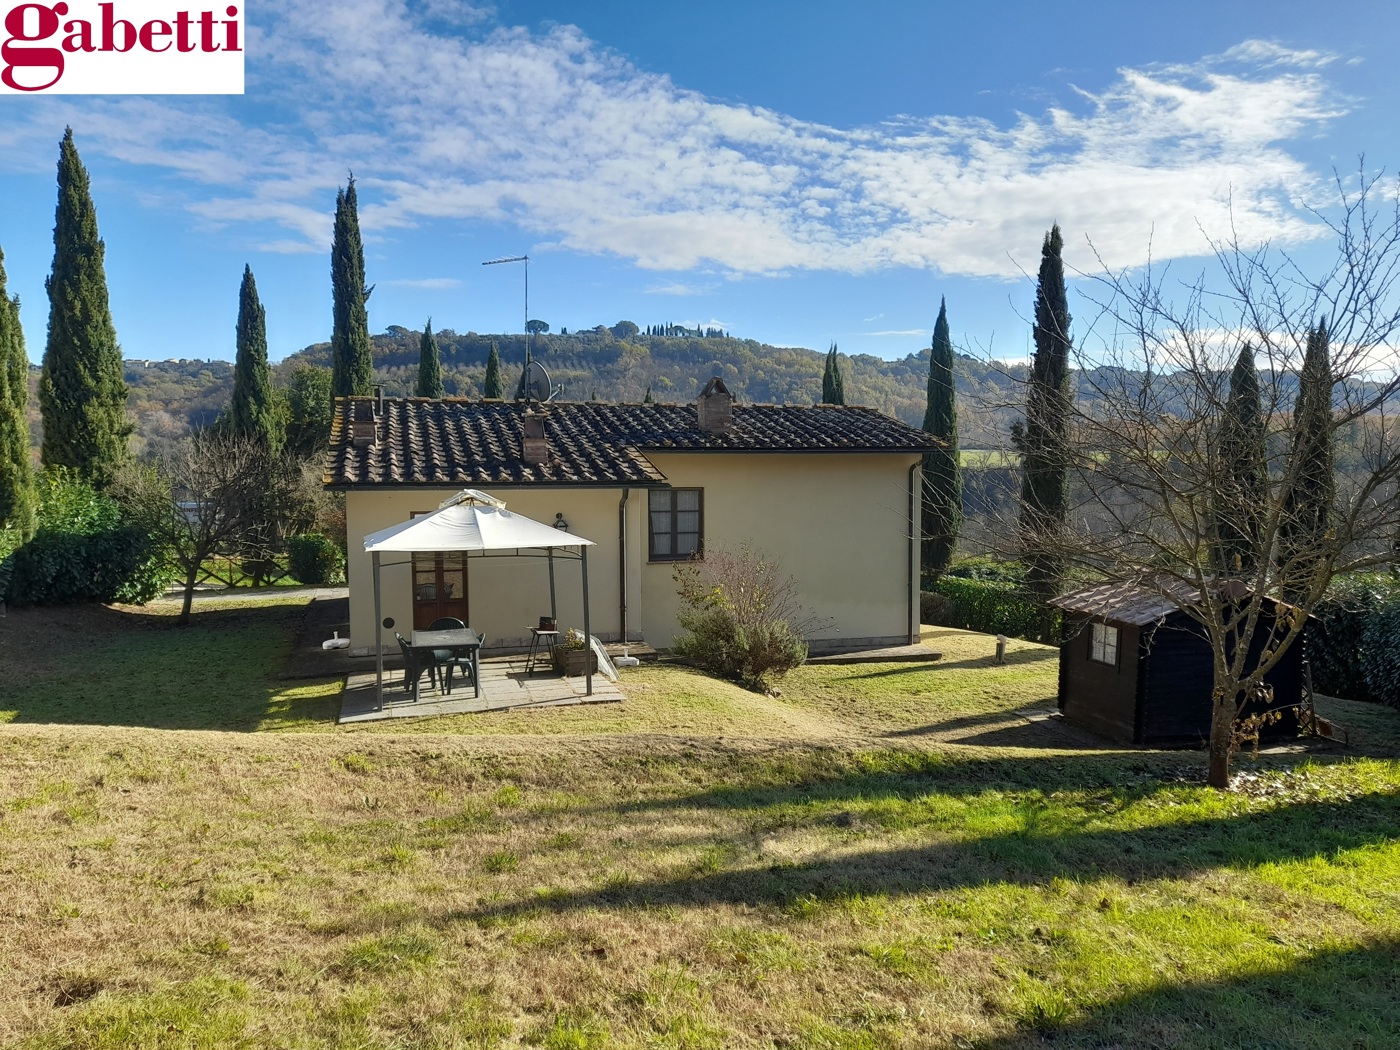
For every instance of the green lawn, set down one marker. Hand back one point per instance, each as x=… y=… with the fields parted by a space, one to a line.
x=882 y=856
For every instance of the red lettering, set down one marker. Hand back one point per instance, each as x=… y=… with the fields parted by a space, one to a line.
x=182 y=32
x=149 y=32
x=16 y=56
x=206 y=31
x=110 y=26
x=79 y=38
x=231 y=34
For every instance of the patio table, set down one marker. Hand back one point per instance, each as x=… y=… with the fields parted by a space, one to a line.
x=464 y=642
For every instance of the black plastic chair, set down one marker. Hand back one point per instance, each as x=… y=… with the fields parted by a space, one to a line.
x=466 y=664
x=415 y=662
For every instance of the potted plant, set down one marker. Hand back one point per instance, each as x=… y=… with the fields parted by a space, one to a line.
x=572 y=656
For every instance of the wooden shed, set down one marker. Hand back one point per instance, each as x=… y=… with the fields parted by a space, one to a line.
x=1136 y=669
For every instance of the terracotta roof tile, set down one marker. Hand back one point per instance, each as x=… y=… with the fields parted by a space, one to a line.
x=459 y=442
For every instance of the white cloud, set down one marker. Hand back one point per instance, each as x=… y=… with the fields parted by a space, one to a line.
x=903 y=333
x=677 y=288
x=430 y=283
x=571 y=142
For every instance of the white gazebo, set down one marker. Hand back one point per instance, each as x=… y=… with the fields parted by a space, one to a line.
x=474 y=523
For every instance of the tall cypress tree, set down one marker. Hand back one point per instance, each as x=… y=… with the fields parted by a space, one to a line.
x=833 y=385
x=1043 y=440
x=942 y=503
x=351 y=359
x=1242 y=495
x=492 y=385
x=429 y=365
x=1307 y=504
x=82 y=393
x=252 y=412
x=17 y=496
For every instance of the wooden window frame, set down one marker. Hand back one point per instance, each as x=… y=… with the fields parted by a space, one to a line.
x=1093 y=643
x=699 y=551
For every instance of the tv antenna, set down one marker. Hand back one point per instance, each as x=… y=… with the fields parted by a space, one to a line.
x=526 y=260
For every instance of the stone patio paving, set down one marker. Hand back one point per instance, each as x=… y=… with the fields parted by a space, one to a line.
x=504 y=687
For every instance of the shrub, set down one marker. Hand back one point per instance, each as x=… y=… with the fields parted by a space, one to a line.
x=1354 y=640
x=315 y=560
x=741 y=617
x=994 y=607
x=86 y=548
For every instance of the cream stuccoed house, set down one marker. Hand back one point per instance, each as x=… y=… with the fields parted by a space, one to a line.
x=831 y=492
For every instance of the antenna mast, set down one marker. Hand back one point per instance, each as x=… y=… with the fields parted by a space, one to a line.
x=526 y=260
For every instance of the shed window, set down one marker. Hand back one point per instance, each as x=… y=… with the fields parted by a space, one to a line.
x=676 y=529
x=1103 y=644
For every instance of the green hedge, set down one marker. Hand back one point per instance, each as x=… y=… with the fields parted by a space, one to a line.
x=995 y=607
x=86 y=549
x=1354 y=640
x=315 y=560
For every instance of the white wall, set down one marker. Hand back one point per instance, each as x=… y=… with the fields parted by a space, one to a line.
x=838 y=523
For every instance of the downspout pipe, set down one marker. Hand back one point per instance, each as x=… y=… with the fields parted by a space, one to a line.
x=915 y=536
x=622 y=565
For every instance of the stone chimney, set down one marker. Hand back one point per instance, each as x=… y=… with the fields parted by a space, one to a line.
x=714 y=410
x=362 y=423
x=534 y=447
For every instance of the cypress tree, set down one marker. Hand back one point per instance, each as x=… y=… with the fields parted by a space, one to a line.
x=1307 y=505
x=648 y=399
x=352 y=362
x=942 y=502
x=1043 y=440
x=429 y=365
x=17 y=495
x=492 y=386
x=1241 y=499
x=253 y=412
x=833 y=386
x=82 y=393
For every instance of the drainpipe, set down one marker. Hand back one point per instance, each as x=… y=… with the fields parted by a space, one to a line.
x=916 y=534
x=622 y=564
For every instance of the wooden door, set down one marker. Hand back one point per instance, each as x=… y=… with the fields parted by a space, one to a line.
x=439 y=588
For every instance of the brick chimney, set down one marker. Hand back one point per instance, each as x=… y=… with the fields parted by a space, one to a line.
x=534 y=447
x=714 y=410
x=362 y=423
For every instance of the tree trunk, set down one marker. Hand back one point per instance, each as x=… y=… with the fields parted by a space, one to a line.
x=1222 y=730
x=191 y=577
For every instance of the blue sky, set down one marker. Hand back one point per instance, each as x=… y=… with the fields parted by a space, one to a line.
x=793 y=172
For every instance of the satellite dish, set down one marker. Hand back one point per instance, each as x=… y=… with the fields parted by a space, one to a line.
x=537 y=386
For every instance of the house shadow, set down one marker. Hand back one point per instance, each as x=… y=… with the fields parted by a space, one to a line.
x=1338 y=997
x=118 y=666
x=1037 y=850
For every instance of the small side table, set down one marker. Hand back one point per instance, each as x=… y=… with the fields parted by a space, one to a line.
x=541 y=647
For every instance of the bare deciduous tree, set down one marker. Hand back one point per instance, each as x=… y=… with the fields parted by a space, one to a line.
x=204 y=496
x=1151 y=491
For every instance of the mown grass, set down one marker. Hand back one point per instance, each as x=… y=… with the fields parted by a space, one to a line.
x=136 y=667
x=883 y=856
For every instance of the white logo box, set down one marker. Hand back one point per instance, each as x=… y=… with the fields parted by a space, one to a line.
x=121 y=47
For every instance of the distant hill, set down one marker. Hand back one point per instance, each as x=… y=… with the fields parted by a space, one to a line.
x=597 y=362
x=168 y=398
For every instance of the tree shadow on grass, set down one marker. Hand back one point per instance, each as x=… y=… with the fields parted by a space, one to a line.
x=1346 y=998
x=1043 y=845
x=987 y=663
x=103 y=666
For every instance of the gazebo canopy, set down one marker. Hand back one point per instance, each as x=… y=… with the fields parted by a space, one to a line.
x=470 y=521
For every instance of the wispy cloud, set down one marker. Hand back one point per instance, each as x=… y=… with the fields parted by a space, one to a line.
x=580 y=148
x=903 y=333
x=430 y=283
x=677 y=288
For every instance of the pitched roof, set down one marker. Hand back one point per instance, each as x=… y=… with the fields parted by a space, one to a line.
x=456 y=442
x=1135 y=604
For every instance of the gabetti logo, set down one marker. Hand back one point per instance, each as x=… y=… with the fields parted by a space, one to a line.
x=123 y=48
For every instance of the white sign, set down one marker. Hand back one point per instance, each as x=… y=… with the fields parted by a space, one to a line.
x=124 y=47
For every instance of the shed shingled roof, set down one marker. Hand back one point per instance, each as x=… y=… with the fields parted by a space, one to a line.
x=460 y=442
x=1135 y=604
